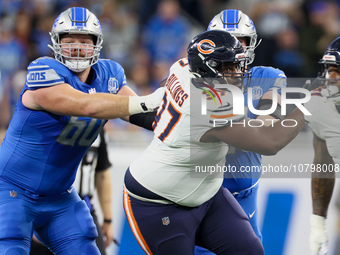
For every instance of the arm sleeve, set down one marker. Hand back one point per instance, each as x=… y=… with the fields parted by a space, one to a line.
x=103 y=161
x=266 y=104
x=143 y=120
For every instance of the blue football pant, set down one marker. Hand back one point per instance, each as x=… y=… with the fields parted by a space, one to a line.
x=39 y=249
x=248 y=201
x=63 y=222
x=219 y=225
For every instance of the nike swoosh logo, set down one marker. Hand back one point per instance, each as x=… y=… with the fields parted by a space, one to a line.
x=252 y=214
x=70 y=190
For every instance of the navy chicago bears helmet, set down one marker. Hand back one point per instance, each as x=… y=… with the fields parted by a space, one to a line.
x=330 y=57
x=211 y=52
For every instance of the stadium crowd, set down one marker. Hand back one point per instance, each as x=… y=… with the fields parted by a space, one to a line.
x=147 y=36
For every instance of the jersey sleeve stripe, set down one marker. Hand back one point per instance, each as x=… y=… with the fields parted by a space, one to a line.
x=47 y=82
x=39 y=69
x=316 y=93
x=44 y=84
x=44 y=67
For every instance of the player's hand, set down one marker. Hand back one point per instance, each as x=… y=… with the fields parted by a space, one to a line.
x=154 y=100
x=309 y=85
x=330 y=91
x=318 y=239
x=107 y=229
x=146 y=103
x=333 y=93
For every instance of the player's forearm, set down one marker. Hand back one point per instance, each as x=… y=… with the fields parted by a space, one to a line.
x=267 y=119
x=269 y=140
x=100 y=106
x=284 y=131
x=107 y=106
x=64 y=100
x=104 y=192
x=322 y=190
x=322 y=181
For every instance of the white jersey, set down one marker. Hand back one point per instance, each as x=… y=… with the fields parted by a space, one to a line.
x=325 y=123
x=172 y=165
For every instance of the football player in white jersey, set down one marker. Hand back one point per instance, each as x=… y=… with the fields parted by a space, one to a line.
x=171 y=200
x=325 y=122
x=264 y=79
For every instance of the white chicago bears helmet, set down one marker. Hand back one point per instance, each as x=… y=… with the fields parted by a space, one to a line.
x=77 y=20
x=240 y=25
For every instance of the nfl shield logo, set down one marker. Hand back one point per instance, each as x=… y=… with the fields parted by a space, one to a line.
x=13 y=193
x=166 y=221
x=113 y=85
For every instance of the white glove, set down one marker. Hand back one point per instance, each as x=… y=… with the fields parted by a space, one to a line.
x=318 y=239
x=147 y=103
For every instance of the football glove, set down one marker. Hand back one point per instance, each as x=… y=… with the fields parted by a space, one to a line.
x=318 y=239
x=309 y=85
x=142 y=104
x=331 y=91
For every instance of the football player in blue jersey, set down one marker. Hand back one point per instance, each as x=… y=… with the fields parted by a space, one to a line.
x=244 y=185
x=65 y=102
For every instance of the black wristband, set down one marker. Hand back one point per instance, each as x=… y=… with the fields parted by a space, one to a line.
x=107 y=220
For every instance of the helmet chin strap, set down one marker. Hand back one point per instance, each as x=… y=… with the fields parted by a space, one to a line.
x=77 y=66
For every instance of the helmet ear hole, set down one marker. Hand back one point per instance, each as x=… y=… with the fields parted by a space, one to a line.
x=94 y=39
x=61 y=35
x=213 y=63
x=247 y=38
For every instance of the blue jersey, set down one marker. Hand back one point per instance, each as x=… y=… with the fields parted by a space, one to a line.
x=263 y=79
x=41 y=150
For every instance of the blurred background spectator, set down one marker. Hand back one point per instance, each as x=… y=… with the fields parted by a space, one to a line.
x=147 y=36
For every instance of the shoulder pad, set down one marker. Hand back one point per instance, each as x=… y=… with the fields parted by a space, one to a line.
x=267 y=72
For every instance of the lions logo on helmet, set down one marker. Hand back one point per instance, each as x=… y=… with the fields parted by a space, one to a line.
x=77 y=20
